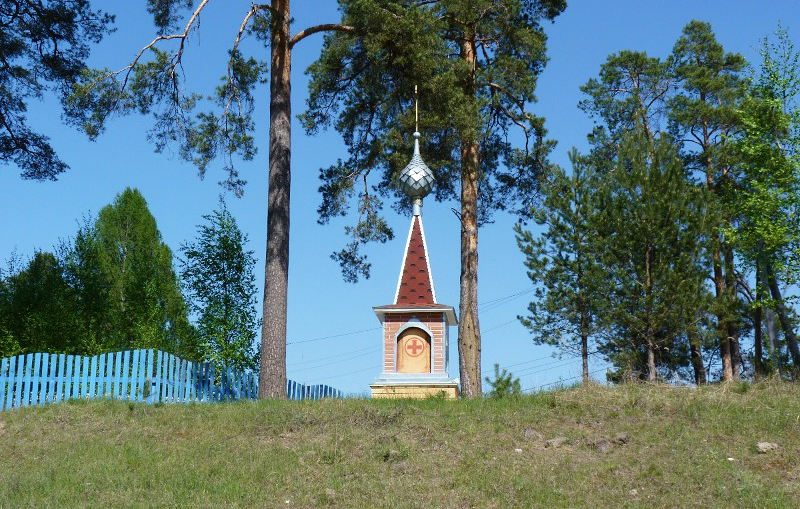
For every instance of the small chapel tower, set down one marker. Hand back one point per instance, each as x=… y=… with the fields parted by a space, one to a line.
x=415 y=326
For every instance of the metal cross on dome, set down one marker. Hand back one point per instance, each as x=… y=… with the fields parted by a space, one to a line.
x=416 y=179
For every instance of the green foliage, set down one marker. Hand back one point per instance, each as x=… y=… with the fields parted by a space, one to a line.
x=218 y=276
x=39 y=311
x=767 y=199
x=43 y=47
x=504 y=384
x=363 y=84
x=144 y=304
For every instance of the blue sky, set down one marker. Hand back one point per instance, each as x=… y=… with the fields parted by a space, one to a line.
x=321 y=305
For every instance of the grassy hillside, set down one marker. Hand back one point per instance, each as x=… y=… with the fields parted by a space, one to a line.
x=633 y=446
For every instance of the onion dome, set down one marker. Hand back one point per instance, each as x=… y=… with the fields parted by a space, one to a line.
x=416 y=179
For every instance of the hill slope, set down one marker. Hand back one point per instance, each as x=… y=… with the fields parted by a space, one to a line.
x=637 y=446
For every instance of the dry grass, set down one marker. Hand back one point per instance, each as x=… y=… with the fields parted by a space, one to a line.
x=631 y=446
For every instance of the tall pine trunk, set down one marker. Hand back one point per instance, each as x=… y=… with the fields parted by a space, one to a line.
x=650 y=334
x=584 y=347
x=722 y=313
x=272 y=378
x=469 y=333
x=732 y=328
x=697 y=358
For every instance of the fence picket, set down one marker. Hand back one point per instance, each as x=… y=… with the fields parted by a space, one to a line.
x=46 y=388
x=147 y=376
x=185 y=378
x=132 y=374
x=136 y=373
x=118 y=373
x=160 y=359
x=5 y=375
x=101 y=376
x=209 y=382
x=108 y=392
x=36 y=378
x=59 y=383
x=212 y=383
x=182 y=377
x=71 y=376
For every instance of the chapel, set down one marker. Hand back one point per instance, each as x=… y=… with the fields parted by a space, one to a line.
x=415 y=325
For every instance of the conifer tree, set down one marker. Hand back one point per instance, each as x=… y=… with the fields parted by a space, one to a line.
x=704 y=121
x=648 y=239
x=476 y=63
x=563 y=263
x=632 y=91
x=44 y=45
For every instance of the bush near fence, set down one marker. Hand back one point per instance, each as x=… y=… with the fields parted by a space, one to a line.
x=149 y=376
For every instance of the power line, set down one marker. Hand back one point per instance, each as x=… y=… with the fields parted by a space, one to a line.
x=328 y=357
x=338 y=361
x=527 y=370
x=371 y=368
x=500 y=301
x=531 y=389
x=350 y=333
x=548 y=366
x=498 y=326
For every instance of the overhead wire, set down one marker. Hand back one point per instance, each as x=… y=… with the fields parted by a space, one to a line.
x=328 y=357
x=540 y=387
x=324 y=364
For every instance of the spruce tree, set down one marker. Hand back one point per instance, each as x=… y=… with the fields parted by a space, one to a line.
x=143 y=307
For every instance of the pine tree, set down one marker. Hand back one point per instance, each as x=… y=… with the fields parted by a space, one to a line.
x=218 y=275
x=476 y=63
x=563 y=263
x=648 y=235
x=703 y=116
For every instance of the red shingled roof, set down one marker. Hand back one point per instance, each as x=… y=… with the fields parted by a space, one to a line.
x=416 y=284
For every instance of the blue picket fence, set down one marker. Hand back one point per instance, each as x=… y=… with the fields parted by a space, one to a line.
x=149 y=376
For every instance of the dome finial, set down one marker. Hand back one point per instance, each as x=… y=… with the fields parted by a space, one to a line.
x=416 y=113
x=416 y=179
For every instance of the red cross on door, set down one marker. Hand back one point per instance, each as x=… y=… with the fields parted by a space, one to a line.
x=414 y=347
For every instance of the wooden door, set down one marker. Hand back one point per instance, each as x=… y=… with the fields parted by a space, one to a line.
x=413 y=351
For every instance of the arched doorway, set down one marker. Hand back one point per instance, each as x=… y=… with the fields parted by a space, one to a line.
x=413 y=351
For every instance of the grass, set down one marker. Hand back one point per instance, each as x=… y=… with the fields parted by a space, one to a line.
x=686 y=448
